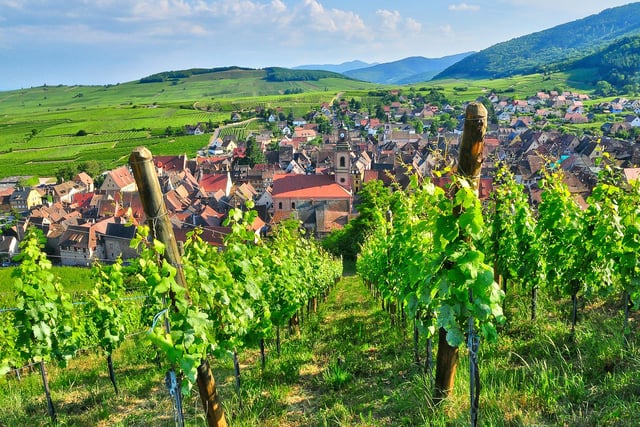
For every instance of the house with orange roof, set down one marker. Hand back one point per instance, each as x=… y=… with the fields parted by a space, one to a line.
x=209 y=217
x=65 y=191
x=5 y=199
x=119 y=180
x=85 y=180
x=304 y=134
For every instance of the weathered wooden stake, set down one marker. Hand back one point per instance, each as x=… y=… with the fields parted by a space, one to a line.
x=236 y=367
x=469 y=165
x=144 y=172
x=209 y=396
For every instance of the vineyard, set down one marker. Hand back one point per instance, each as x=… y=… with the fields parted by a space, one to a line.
x=563 y=352
x=44 y=130
x=235 y=299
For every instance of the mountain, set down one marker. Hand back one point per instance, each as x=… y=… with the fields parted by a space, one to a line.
x=336 y=68
x=563 y=43
x=408 y=70
x=618 y=64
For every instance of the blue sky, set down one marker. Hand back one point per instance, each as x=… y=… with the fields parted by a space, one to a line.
x=111 y=41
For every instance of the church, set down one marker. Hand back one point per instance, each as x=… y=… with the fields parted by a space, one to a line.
x=322 y=203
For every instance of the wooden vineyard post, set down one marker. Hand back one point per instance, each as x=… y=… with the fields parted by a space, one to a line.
x=209 y=396
x=144 y=172
x=469 y=165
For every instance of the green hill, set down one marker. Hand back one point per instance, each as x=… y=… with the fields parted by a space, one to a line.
x=49 y=130
x=540 y=51
x=618 y=64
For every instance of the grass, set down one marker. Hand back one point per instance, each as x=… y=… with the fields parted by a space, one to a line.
x=76 y=281
x=350 y=367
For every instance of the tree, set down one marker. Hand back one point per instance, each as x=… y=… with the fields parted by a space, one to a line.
x=324 y=127
x=418 y=126
x=374 y=198
x=29 y=182
x=604 y=88
x=255 y=153
x=92 y=168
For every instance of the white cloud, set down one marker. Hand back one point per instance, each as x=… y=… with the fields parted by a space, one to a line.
x=413 y=25
x=338 y=21
x=161 y=10
x=464 y=7
x=390 y=19
x=393 y=22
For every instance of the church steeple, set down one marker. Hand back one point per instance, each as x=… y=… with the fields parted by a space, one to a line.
x=342 y=160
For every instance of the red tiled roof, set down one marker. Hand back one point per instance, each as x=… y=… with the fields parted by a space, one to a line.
x=82 y=200
x=213 y=182
x=308 y=187
x=121 y=176
x=257 y=224
x=210 y=216
x=84 y=178
x=170 y=163
x=7 y=191
x=279 y=216
x=370 y=175
x=333 y=220
x=212 y=159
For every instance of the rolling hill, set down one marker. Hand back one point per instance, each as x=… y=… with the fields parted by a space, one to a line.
x=539 y=51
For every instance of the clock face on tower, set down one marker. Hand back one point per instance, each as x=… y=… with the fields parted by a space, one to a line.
x=341 y=135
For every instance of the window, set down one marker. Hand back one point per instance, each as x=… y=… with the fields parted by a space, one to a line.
x=293 y=205
x=342 y=161
x=279 y=205
x=342 y=180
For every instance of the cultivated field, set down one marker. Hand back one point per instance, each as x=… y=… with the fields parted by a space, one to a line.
x=43 y=129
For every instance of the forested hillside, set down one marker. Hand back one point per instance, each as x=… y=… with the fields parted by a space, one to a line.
x=618 y=64
x=540 y=51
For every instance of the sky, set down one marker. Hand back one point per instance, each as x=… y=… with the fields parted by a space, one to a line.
x=113 y=41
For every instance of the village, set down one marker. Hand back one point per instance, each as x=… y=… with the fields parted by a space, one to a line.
x=318 y=183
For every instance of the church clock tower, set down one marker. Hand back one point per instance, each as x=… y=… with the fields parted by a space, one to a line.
x=342 y=159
